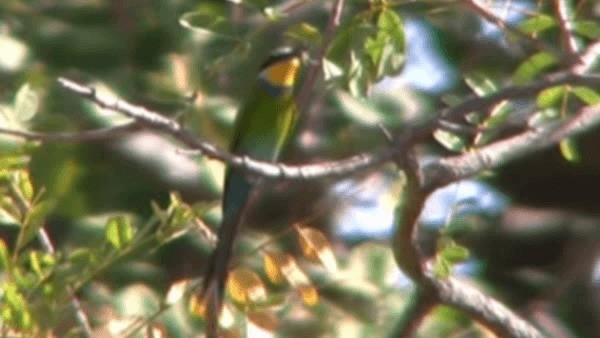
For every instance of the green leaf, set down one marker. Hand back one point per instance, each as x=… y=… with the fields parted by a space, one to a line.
x=273 y=13
x=455 y=254
x=9 y=211
x=587 y=28
x=211 y=19
x=386 y=48
x=26 y=103
x=449 y=140
x=25 y=185
x=481 y=84
x=14 y=310
x=305 y=33
x=40 y=262
x=358 y=79
x=537 y=23
x=551 y=97
x=34 y=218
x=81 y=259
x=498 y=115
x=544 y=116
x=4 y=256
x=119 y=232
x=570 y=150
x=533 y=66
x=586 y=94
x=371 y=111
x=441 y=268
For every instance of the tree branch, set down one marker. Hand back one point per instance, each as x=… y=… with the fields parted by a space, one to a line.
x=445 y=170
x=338 y=169
x=493 y=314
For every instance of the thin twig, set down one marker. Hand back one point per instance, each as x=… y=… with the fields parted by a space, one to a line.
x=477 y=7
x=80 y=136
x=445 y=170
x=564 y=25
x=304 y=94
x=48 y=246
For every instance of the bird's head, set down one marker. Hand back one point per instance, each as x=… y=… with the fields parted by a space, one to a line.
x=280 y=71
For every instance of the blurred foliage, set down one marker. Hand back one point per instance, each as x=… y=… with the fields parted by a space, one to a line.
x=127 y=224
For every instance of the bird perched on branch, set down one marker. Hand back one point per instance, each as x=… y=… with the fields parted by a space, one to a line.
x=263 y=127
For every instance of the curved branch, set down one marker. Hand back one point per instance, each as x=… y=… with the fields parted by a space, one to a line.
x=340 y=168
x=493 y=314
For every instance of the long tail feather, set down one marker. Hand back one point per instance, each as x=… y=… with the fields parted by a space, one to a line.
x=237 y=192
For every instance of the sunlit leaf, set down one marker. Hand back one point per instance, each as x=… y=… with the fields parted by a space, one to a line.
x=197 y=306
x=331 y=70
x=279 y=266
x=588 y=28
x=449 y=253
x=121 y=327
x=534 y=66
x=305 y=33
x=455 y=254
x=450 y=140
x=245 y=287
x=273 y=13
x=358 y=109
x=119 y=232
x=551 y=97
x=26 y=103
x=316 y=247
x=25 y=185
x=34 y=218
x=537 y=23
x=10 y=214
x=586 y=94
x=261 y=324
x=14 y=310
x=14 y=53
x=40 y=262
x=4 y=256
x=544 y=116
x=273 y=263
x=309 y=295
x=570 y=150
x=386 y=48
x=358 y=79
x=441 y=268
x=481 y=84
x=177 y=290
x=210 y=18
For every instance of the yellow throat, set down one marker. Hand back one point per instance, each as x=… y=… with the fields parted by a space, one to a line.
x=283 y=73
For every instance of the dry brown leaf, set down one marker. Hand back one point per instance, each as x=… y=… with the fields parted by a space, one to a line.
x=246 y=287
x=316 y=247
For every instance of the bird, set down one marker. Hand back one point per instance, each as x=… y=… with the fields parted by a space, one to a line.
x=262 y=129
